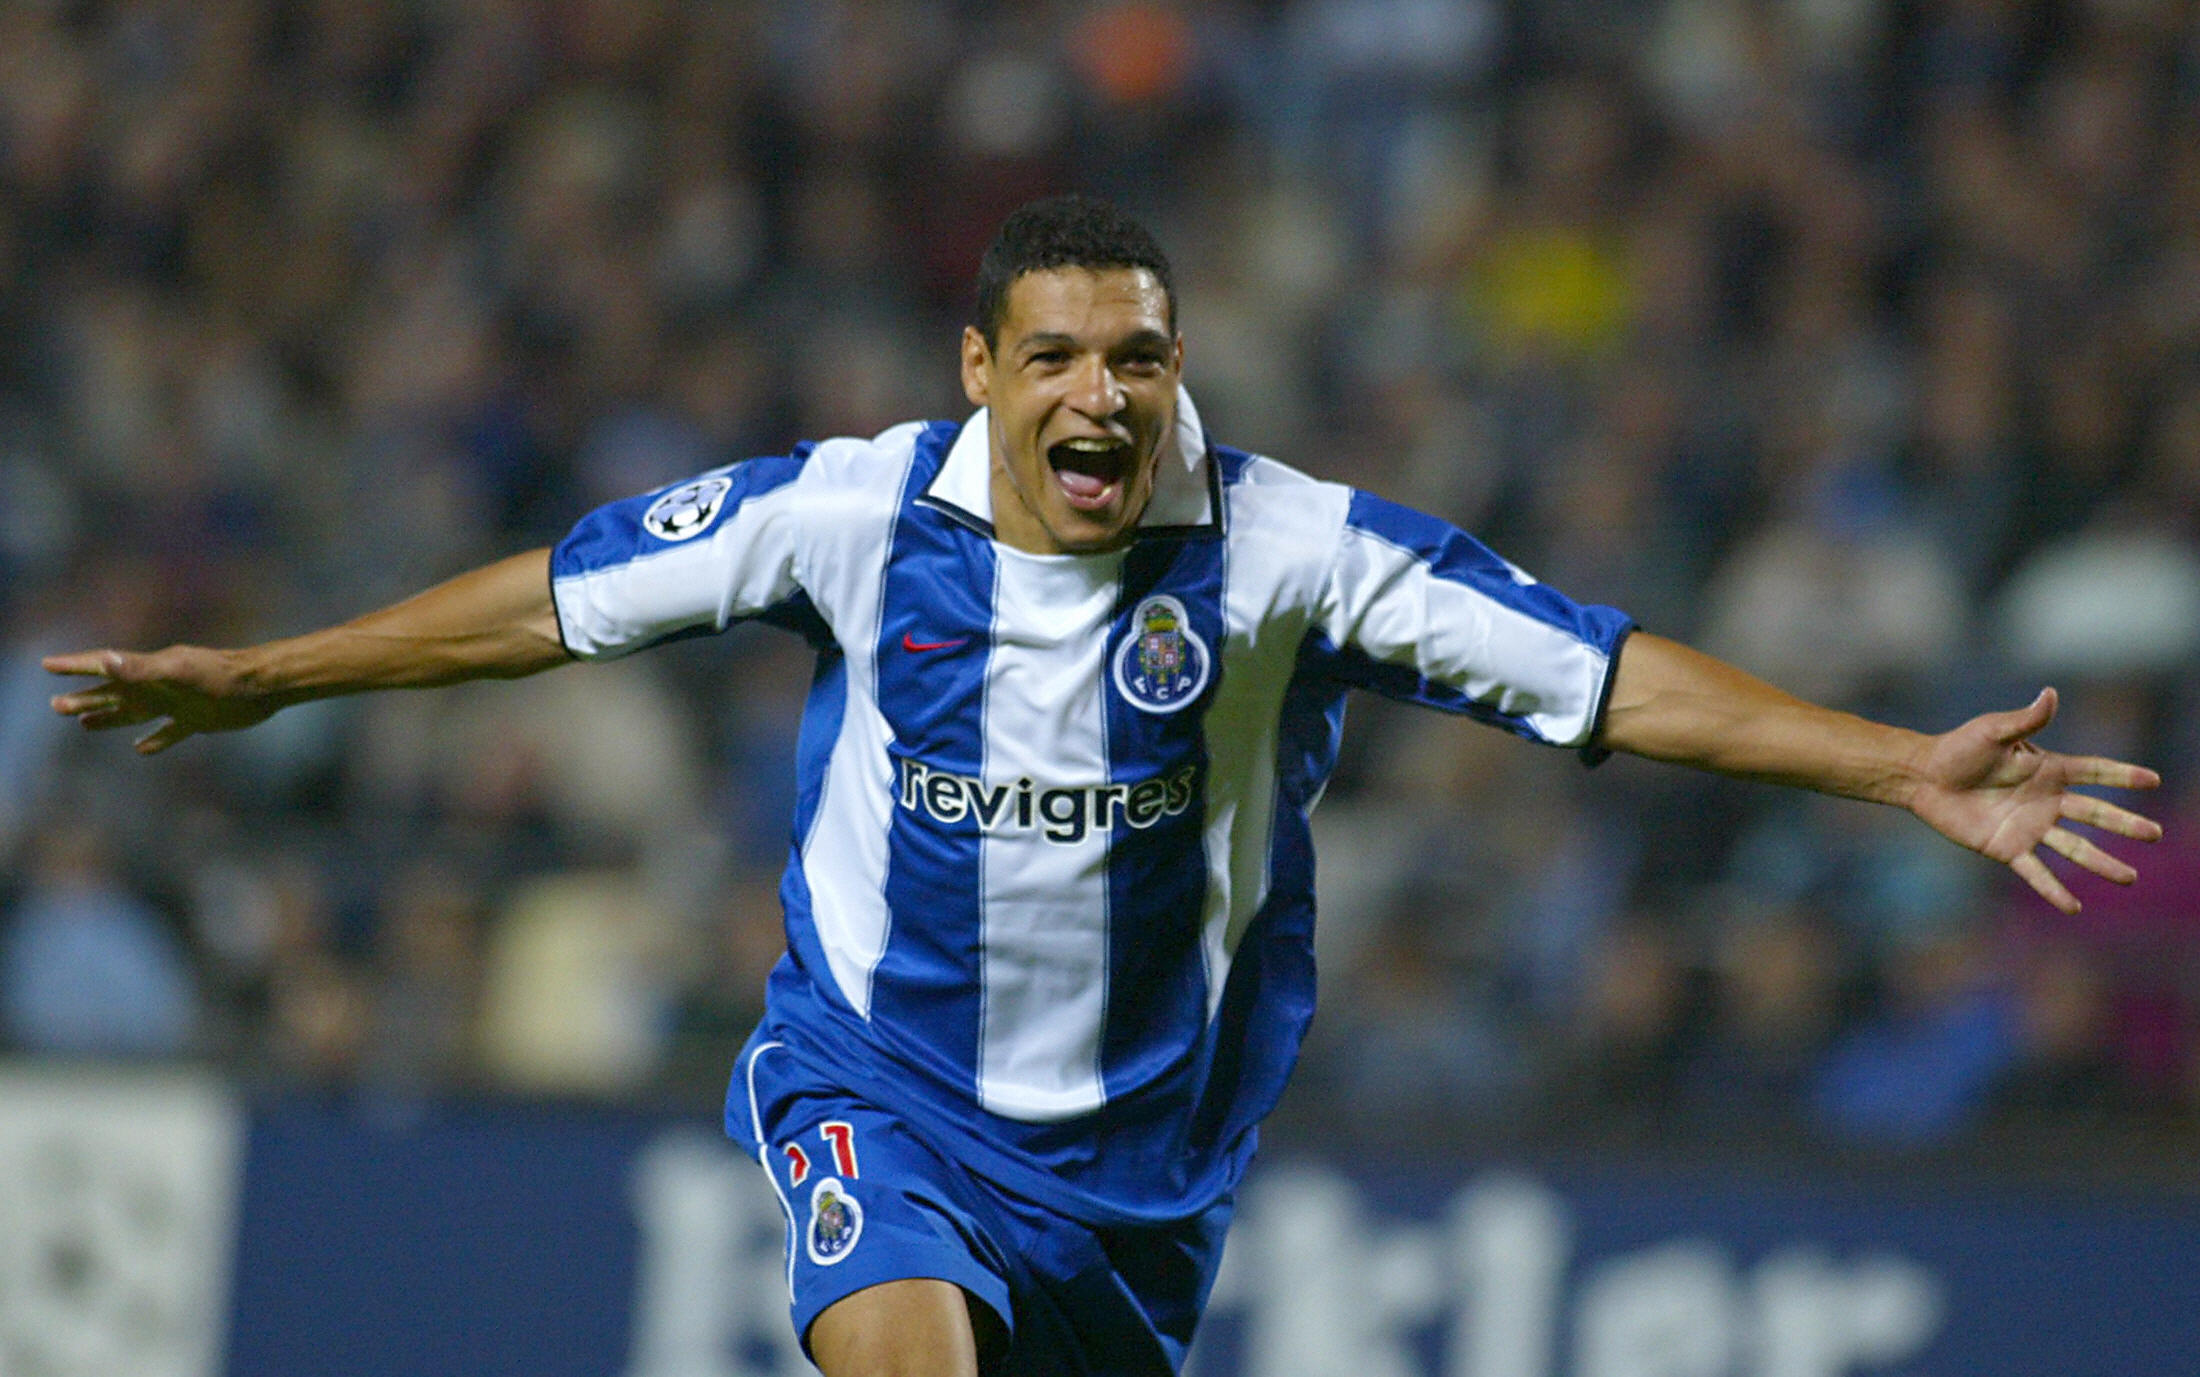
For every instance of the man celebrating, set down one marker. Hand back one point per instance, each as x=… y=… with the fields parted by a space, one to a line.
x=1080 y=680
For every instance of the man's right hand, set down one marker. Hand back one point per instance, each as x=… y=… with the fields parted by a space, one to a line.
x=495 y=622
x=195 y=689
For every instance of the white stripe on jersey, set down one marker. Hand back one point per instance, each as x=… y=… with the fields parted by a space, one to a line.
x=1045 y=930
x=747 y=562
x=1260 y=577
x=844 y=856
x=1389 y=604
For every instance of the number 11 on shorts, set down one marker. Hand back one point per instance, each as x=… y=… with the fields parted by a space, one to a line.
x=840 y=1139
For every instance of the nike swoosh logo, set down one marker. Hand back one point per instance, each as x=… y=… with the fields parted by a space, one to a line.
x=910 y=642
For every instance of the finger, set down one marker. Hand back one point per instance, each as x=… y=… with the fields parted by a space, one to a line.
x=2115 y=774
x=79 y=662
x=98 y=698
x=2076 y=848
x=123 y=714
x=108 y=701
x=2035 y=873
x=2099 y=812
x=2016 y=724
x=170 y=732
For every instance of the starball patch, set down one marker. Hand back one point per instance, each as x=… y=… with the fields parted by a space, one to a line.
x=687 y=511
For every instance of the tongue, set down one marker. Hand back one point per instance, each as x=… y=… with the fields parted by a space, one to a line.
x=1082 y=484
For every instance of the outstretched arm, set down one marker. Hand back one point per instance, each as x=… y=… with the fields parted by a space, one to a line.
x=1983 y=785
x=496 y=622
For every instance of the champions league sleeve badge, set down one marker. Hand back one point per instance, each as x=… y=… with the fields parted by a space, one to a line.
x=1162 y=664
x=836 y=1222
x=688 y=510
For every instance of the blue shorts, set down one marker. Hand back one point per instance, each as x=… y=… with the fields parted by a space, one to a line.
x=868 y=1200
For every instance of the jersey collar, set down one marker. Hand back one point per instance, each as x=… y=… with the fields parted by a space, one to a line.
x=1186 y=488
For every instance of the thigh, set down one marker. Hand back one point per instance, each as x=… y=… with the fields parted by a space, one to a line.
x=914 y=1328
x=868 y=1202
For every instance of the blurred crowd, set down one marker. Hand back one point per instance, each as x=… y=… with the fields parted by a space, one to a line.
x=1855 y=340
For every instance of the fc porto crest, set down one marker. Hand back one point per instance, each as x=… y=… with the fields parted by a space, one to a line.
x=688 y=510
x=836 y=1222
x=1162 y=664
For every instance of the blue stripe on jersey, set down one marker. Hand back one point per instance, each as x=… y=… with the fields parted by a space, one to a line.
x=1452 y=554
x=934 y=638
x=614 y=534
x=1157 y=874
x=822 y=713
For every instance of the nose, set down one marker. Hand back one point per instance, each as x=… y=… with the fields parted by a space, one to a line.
x=1097 y=392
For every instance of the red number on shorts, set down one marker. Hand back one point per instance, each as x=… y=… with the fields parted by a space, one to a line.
x=799 y=1172
x=842 y=1137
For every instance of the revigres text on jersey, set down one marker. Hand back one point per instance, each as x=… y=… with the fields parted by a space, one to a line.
x=1064 y=815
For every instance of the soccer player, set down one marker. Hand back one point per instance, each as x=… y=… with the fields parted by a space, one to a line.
x=1080 y=677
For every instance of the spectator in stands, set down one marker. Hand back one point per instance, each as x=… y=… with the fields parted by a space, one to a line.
x=87 y=967
x=317 y=303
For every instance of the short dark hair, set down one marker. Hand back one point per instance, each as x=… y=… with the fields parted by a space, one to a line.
x=1069 y=231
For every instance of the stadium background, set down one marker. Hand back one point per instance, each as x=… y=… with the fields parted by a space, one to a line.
x=1856 y=340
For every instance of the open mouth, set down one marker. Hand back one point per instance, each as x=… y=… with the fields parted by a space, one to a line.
x=1090 y=469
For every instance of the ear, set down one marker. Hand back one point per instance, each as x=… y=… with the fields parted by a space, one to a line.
x=977 y=367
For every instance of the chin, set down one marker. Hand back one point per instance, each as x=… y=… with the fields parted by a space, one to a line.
x=1083 y=536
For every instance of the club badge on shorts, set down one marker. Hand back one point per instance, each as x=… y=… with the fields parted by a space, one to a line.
x=836 y=1222
x=1162 y=664
x=688 y=510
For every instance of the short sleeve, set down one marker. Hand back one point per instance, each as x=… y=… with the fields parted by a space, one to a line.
x=1420 y=611
x=684 y=560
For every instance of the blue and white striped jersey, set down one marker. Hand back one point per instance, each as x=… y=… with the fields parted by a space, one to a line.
x=1050 y=891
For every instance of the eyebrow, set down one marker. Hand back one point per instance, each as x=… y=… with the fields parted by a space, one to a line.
x=1056 y=339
